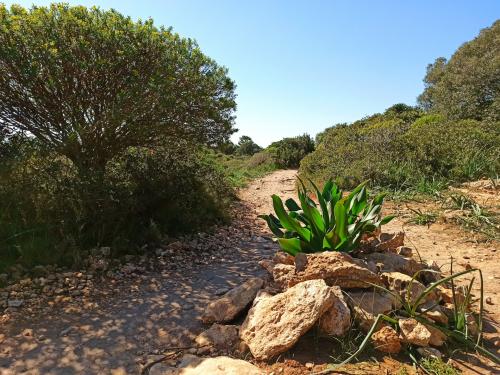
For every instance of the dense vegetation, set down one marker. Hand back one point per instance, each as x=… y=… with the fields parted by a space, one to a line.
x=453 y=136
x=104 y=123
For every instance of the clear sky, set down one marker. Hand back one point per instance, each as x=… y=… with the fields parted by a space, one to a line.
x=302 y=66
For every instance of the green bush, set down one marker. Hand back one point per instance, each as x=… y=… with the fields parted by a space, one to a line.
x=405 y=149
x=337 y=225
x=145 y=193
x=241 y=169
x=288 y=152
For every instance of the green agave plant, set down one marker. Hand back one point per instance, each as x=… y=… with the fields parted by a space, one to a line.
x=338 y=224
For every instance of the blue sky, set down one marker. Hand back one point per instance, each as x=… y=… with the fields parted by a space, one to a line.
x=302 y=66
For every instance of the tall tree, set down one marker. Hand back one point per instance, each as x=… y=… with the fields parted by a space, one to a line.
x=468 y=85
x=88 y=83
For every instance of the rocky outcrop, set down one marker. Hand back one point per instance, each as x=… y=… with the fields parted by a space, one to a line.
x=276 y=323
x=226 y=308
x=336 y=321
x=336 y=269
x=386 y=340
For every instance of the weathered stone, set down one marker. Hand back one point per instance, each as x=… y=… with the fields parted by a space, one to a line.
x=261 y=294
x=400 y=283
x=15 y=303
x=434 y=312
x=437 y=338
x=337 y=319
x=162 y=368
x=446 y=294
x=367 y=305
x=389 y=242
x=414 y=332
x=429 y=352
x=390 y=262
x=386 y=340
x=283 y=258
x=300 y=262
x=336 y=268
x=220 y=337
x=404 y=251
x=192 y=365
x=233 y=302
x=268 y=265
x=283 y=274
x=276 y=323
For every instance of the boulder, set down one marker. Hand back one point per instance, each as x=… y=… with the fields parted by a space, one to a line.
x=336 y=321
x=400 y=284
x=192 y=365
x=233 y=302
x=367 y=305
x=386 y=340
x=390 y=242
x=391 y=262
x=414 y=332
x=220 y=337
x=336 y=268
x=276 y=323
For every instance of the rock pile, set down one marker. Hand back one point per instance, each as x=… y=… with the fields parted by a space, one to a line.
x=332 y=291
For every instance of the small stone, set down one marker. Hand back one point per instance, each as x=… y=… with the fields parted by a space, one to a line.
x=337 y=319
x=15 y=303
x=66 y=331
x=309 y=365
x=386 y=340
x=404 y=251
x=428 y=352
x=300 y=262
x=489 y=301
x=414 y=332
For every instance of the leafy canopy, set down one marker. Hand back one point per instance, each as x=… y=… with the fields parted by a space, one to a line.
x=88 y=83
x=468 y=85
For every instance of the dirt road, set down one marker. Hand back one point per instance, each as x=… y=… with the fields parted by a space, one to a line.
x=134 y=319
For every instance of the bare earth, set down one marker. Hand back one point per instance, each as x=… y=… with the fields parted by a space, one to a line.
x=132 y=318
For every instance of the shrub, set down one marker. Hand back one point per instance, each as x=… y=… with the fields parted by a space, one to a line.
x=338 y=225
x=247 y=147
x=288 y=152
x=405 y=149
x=168 y=190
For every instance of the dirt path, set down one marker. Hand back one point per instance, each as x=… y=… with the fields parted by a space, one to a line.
x=142 y=314
x=146 y=313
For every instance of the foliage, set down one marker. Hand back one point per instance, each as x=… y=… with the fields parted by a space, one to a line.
x=89 y=83
x=456 y=331
x=436 y=366
x=246 y=146
x=423 y=217
x=288 y=152
x=338 y=225
x=169 y=189
x=239 y=170
x=404 y=149
x=467 y=86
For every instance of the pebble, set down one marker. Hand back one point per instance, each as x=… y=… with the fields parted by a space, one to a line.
x=489 y=301
x=15 y=302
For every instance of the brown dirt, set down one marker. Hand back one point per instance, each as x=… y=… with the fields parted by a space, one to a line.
x=129 y=320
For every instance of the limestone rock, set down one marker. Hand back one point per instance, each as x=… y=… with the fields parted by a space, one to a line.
x=404 y=251
x=433 y=312
x=192 y=365
x=414 y=332
x=390 y=242
x=400 y=283
x=276 y=323
x=282 y=274
x=219 y=337
x=437 y=338
x=336 y=268
x=367 y=305
x=336 y=321
x=446 y=295
x=283 y=258
x=386 y=340
x=233 y=302
x=390 y=262
x=268 y=265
